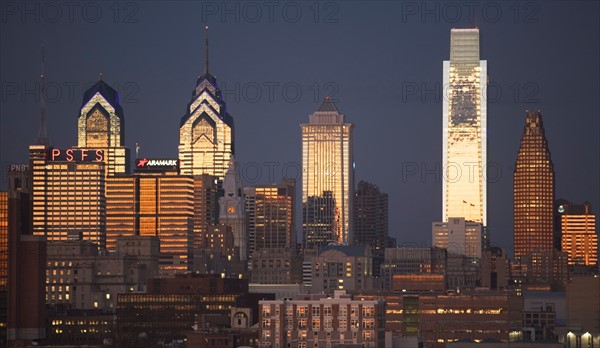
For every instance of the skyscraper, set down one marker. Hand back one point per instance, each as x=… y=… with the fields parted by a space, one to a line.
x=101 y=126
x=274 y=215
x=371 y=217
x=327 y=177
x=533 y=190
x=206 y=133
x=464 y=129
x=153 y=202
x=3 y=265
x=26 y=266
x=68 y=195
x=206 y=206
x=577 y=231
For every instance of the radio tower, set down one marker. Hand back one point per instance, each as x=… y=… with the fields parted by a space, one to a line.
x=42 y=138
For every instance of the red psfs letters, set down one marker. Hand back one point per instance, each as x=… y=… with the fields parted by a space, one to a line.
x=77 y=155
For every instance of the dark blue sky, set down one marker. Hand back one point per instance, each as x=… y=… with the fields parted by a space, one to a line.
x=382 y=61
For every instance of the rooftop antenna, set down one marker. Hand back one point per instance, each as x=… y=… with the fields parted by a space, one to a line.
x=42 y=138
x=206 y=49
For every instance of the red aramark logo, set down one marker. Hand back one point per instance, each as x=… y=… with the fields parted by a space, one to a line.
x=142 y=162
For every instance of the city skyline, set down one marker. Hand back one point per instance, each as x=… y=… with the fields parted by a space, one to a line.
x=397 y=154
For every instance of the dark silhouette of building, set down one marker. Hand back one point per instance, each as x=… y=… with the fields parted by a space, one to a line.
x=319 y=214
x=371 y=221
x=170 y=307
x=26 y=266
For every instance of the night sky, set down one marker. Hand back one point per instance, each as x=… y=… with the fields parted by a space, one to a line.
x=381 y=61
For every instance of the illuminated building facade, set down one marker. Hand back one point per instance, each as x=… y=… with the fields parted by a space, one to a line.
x=101 y=125
x=274 y=216
x=577 y=230
x=68 y=196
x=166 y=208
x=206 y=131
x=121 y=207
x=157 y=202
x=91 y=327
x=206 y=207
x=458 y=236
x=3 y=265
x=533 y=190
x=327 y=177
x=321 y=321
x=464 y=154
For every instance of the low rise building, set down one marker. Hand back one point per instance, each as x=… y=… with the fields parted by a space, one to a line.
x=322 y=321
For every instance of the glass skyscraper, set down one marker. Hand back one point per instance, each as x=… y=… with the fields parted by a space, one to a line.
x=101 y=125
x=327 y=177
x=206 y=136
x=464 y=129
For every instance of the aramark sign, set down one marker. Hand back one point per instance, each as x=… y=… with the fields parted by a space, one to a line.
x=156 y=164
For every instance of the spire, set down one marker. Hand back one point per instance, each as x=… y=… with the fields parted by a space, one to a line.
x=206 y=49
x=327 y=105
x=42 y=138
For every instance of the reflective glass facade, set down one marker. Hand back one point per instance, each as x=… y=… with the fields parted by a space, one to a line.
x=156 y=204
x=327 y=177
x=68 y=198
x=206 y=138
x=533 y=190
x=464 y=129
x=578 y=233
x=274 y=219
x=101 y=125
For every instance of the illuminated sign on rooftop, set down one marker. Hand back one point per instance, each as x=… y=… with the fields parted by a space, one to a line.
x=76 y=155
x=156 y=164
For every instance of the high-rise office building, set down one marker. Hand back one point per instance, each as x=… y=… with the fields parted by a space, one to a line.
x=68 y=193
x=157 y=202
x=533 y=190
x=69 y=184
x=274 y=216
x=231 y=209
x=206 y=133
x=250 y=210
x=577 y=231
x=122 y=204
x=458 y=236
x=3 y=265
x=464 y=126
x=26 y=266
x=101 y=126
x=371 y=217
x=327 y=177
x=206 y=206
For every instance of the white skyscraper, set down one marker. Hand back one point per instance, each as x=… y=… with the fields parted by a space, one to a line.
x=464 y=129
